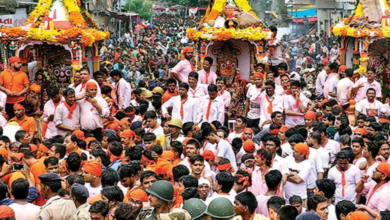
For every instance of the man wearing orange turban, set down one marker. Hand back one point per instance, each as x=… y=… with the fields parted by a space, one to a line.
x=127 y=137
x=6 y=212
x=378 y=190
x=252 y=104
x=359 y=215
x=93 y=108
x=27 y=123
x=82 y=87
x=14 y=83
x=182 y=69
x=247 y=134
x=299 y=172
x=310 y=118
x=137 y=198
x=92 y=176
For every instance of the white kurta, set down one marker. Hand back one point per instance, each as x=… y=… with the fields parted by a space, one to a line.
x=61 y=117
x=189 y=109
x=217 y=110
x=90 y=118
x=123 y=91
x=50 y=109
x=80 y=90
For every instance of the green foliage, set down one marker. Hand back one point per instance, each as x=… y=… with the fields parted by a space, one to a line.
x=142 y=7
x=187 y=2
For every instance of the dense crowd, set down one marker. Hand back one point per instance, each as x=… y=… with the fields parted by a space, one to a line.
x=150 y=137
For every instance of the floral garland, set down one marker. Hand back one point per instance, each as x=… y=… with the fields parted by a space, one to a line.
x=13 y=32
x=347 y=31
x=243 y=4
x=40 y=10
x=74 y=14
x=223 y=34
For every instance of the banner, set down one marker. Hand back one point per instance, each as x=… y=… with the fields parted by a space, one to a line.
x=192 y=11
x=14 y=20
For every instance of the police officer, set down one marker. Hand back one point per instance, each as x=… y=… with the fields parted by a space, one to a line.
x=220 y=208
x=56 y=208
x=160 y=197
x=80 y=195
x=195 y=207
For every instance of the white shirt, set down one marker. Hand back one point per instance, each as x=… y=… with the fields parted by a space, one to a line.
x=50 y=109
x=233 y=135
x=225 y=150
x=324 y=156
x=370 y=109
x=333 y=86
x=189 y=109
x=316 y=167
x=26 y=212
x=332 y=147
x=198 y=93
x=361 y=93
x=61 y=117
x=303 y=170
x=90 y=118
x=226 y=97
x=123 y=91
x=217 y=110
x=157 y=131
x=321 y=77
x=93 y=191
x=281 y=164
x=291 y=104
x=80 y=90
x=211 y=78
x=352 y=177
x=277 y=105
x=343 y=86
x=253 y=95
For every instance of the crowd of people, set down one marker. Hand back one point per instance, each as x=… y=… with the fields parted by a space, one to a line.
x=150 y=137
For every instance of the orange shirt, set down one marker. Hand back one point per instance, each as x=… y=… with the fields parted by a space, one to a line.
x=27 y=124
x=177 y=161
x=37 y=169
x=15 y=83
x=167 y=95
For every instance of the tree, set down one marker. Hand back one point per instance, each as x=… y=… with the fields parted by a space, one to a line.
x=142 y=7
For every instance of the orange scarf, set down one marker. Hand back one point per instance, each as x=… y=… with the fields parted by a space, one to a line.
x=270 y=106
x=208 y=109
x=71 y=109
x=182 y=108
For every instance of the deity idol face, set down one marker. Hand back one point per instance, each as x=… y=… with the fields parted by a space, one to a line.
x=63 y=73
x=227 y=67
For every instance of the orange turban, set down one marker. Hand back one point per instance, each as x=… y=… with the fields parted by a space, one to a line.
x=303 y=148
x=35 y=87
x=274 y=131
x=384 y=168
x=359 y=215
x=246 y=130
x=124 y=121
x=79 y=134
x=139 y=194
x=208 y=155
x=168 y=155
x=128 y=134
x=18 y=106
x=188 y=50
x=12 y=60
x=310 y=115
x=284 y=128
x=113 y=126
x=91 y=85
x=93 y=168
x=342 y=68
x=361 y=131
x=249 y=145
x=6 y=212
x=3 y=152
x=258 y=75
x=43 y=148
x=33 y=147
x=383 y=120
x=18 y=156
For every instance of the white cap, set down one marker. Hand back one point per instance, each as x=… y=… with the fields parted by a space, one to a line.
x=204 y=181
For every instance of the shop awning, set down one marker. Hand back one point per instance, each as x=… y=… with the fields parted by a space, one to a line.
x=125 y=16
x=300 y=20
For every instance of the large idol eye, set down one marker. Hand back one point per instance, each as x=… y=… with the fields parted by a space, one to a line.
x=223 y=66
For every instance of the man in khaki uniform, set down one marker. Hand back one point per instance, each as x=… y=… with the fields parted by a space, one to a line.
x=80 y=195
x=55 y=208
